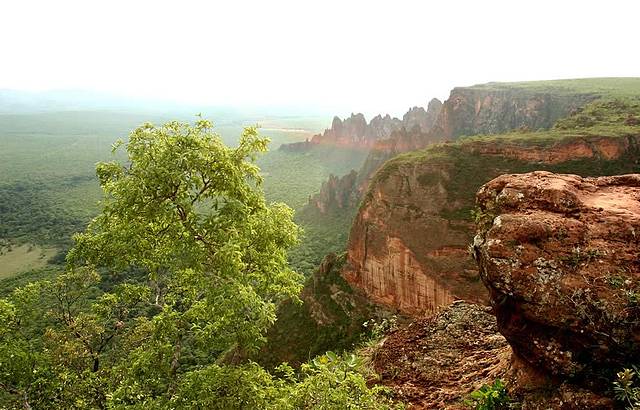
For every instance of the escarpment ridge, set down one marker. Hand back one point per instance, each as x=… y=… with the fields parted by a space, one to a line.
x=355 y=132
x=408 y=246
x=492 y=108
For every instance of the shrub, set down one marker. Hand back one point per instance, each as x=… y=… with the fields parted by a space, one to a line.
x=627 y=389
x=490 y=397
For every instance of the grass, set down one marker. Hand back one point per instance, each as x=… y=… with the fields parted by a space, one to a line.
x=606 y=86
x=23 y=258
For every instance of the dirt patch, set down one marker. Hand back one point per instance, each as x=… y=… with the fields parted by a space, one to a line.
x=435 y=363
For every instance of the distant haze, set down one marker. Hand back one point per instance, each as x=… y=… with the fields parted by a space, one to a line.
x=324 y=56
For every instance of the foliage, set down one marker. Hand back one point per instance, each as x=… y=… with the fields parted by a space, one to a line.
x=49 y=189
x=205 y=265
x=323 y=234
x=347 y=318
x=332 y=382
x=490 y=397
x=627 y=388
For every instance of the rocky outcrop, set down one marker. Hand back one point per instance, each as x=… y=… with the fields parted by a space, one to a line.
x=435 y=363
x=390 y=137
x=559 y=255
x=408 y=243
x=355 y=132
x=496 y=109
x=423 y=120
x=336 y=193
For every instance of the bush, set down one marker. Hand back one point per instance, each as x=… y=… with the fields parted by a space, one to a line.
x=627 y=389
x=490 y=397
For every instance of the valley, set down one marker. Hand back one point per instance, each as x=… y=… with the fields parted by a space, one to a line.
x=391 y=212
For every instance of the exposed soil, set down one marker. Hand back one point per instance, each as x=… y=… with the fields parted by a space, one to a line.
x=435 y=363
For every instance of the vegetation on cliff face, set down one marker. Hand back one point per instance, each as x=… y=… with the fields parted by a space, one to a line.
x=207 y=266
x=332 y=316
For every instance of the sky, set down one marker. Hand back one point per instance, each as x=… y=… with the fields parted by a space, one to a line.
x=336 y=56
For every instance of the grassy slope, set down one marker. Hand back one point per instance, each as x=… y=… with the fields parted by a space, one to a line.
x=606 y=86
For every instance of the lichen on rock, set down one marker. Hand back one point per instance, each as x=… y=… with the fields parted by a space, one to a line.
x=564 y=297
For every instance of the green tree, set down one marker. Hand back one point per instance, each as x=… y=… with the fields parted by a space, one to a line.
x=188 y=212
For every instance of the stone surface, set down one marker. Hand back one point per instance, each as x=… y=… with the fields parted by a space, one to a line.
x=435 y=363
x=559 y=254
x=354 y=131
x=402 y=252
x=472 y=111
x=336 y=193
x=414 y=226
x=386 y=137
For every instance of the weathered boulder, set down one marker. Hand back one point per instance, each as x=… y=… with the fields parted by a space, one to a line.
x=560 y=257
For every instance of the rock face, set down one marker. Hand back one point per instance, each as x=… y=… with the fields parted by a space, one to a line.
x=423 y=120
x=356 y=132
x=434 y=363
x=559 y=255
x=352 y=132
x=408 y=243
x=487 y=110
x=386 y=137
x=467 y=111
x=336 y=193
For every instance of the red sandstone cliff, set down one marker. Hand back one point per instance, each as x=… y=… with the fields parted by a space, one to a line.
x=408 y=244
x=355 y=132
x=483 y=109
x=497 y=108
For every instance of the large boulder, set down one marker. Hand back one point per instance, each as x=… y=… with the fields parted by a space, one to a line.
x=560 y=256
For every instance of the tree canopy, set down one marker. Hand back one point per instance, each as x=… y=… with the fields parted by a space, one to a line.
x=167 y=291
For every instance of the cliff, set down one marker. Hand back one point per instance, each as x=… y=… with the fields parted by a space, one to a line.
x=559 y=255
x=355 y=132
x=385 y=140
x=482 y=109
x=336 y=193
x=487 y=109
x=408 y=244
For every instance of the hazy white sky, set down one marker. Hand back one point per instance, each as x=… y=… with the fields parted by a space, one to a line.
x=343 y=55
